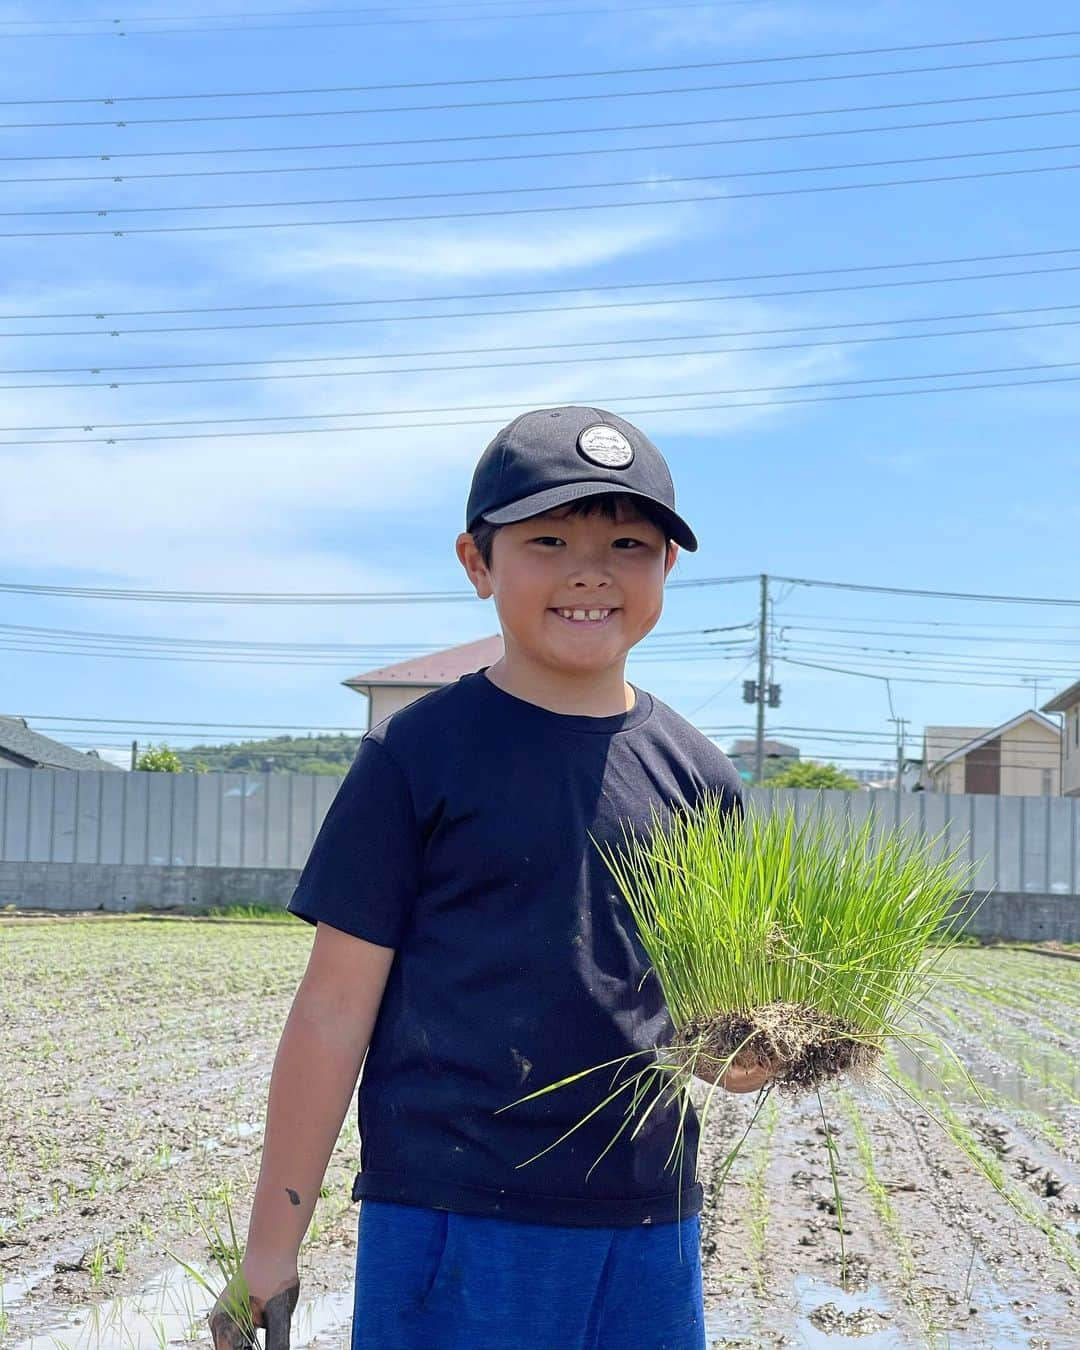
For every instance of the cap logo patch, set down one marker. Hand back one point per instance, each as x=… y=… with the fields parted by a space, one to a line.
x=605 y=446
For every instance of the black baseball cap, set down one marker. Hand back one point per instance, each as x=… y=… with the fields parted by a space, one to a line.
x=550 y=456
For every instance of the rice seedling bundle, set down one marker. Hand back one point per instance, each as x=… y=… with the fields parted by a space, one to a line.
x=800 y=948
x=797 y=947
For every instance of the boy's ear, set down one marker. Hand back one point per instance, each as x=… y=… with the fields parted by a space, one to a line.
x=672 y=558
x=472 y=560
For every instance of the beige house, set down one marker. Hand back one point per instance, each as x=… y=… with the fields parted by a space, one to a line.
x=1020 y=758
x=1068 y=703
x=392 y=687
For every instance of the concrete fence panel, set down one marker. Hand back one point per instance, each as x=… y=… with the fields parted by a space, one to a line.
x=227 y=835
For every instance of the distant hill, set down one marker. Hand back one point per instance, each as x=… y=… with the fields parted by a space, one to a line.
x=281 y=754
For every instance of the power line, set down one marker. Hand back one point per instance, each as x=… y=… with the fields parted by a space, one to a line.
x=898 y=679
x=936 y=595
x=956 y=662
x=939 y=637
x=26 y=631
x=430 y=597
x=544 y=187
x=545 y=132
x=479 y=421
x=482 y=407
x=547 y=99
x=23 y=648
x=531 y=210
x=117 y=32
x=75 y=722
x=114 y=179
x=937 y=623
x=217 y=363
x=532 y=77
x=541 y=309
x=502 y=365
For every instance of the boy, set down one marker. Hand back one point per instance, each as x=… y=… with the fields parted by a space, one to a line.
x=469 y=931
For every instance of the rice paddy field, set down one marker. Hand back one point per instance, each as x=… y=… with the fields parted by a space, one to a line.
x=137 y=1055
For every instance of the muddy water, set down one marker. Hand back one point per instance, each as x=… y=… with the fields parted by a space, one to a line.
x=173 y=1307
x=107 y=1143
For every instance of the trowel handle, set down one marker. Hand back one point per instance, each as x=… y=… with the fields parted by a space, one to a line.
x=277 y=1315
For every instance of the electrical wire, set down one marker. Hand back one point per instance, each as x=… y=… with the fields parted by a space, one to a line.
x=899 y=679
x=479 y=421
x=954 y=662
x=26 y=631
x=533 y=188
x=938 y=637
x=117 y=32
x=547 y=131
x=429 y=597
x=531 y=210
x=533 y=76
x=545 y=100
x=481 y=407
x=502 y=365
x=561 y=290
x=115 y=179
x=936 y=623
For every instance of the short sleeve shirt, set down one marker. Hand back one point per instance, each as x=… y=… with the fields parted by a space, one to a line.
x=460 y=837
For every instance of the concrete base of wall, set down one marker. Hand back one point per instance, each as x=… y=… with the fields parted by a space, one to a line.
x=1023 y=916
x=1013 y=916
x=71 y=886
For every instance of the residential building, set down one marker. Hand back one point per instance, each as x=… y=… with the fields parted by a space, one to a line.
x=392 y=687
x=1068 y=704
x=21 y=748
x=743 y=754
x=1019 y=758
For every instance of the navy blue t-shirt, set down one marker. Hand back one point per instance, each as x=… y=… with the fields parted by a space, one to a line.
x=460 y=837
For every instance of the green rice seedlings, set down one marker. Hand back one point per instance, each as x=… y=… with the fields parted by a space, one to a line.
x=797 y=950
x=227 y=1257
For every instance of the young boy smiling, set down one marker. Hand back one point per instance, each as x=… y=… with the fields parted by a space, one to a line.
x=471 y=946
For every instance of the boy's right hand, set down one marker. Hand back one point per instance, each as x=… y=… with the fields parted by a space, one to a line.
x=739 y=1079
x=239 y=1309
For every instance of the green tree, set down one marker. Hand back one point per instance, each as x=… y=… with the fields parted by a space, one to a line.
x=159 y=759
x=807 y=774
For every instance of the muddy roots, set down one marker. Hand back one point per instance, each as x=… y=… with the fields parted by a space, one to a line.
x=805 y=1045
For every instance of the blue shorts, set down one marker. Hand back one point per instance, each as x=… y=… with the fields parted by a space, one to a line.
x=433 y=1279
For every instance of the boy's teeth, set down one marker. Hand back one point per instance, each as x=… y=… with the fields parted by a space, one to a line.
x=584 y=613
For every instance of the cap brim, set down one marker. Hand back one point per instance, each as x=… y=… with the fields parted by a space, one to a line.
x=572 y=492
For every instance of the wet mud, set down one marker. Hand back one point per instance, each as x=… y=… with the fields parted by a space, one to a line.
x=134 y=1104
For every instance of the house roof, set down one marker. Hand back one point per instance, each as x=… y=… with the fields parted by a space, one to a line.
x=1063 y=702
x=432 y=669
x=1029 y=715
x=29 y=749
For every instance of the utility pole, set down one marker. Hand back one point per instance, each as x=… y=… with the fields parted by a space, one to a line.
x=134 y=754
x=756 y=691
x=763 y=642
x=901 y=723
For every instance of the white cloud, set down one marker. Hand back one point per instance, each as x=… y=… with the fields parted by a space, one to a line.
x=465 y=250
x=736 y=26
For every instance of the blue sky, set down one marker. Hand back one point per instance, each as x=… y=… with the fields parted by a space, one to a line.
x=964 y=491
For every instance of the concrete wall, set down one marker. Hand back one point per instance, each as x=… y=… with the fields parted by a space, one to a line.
x=112 y=886
x=161 y=819
x=147 y=840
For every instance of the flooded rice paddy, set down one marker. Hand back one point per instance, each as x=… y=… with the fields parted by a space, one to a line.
x=137 y=1056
